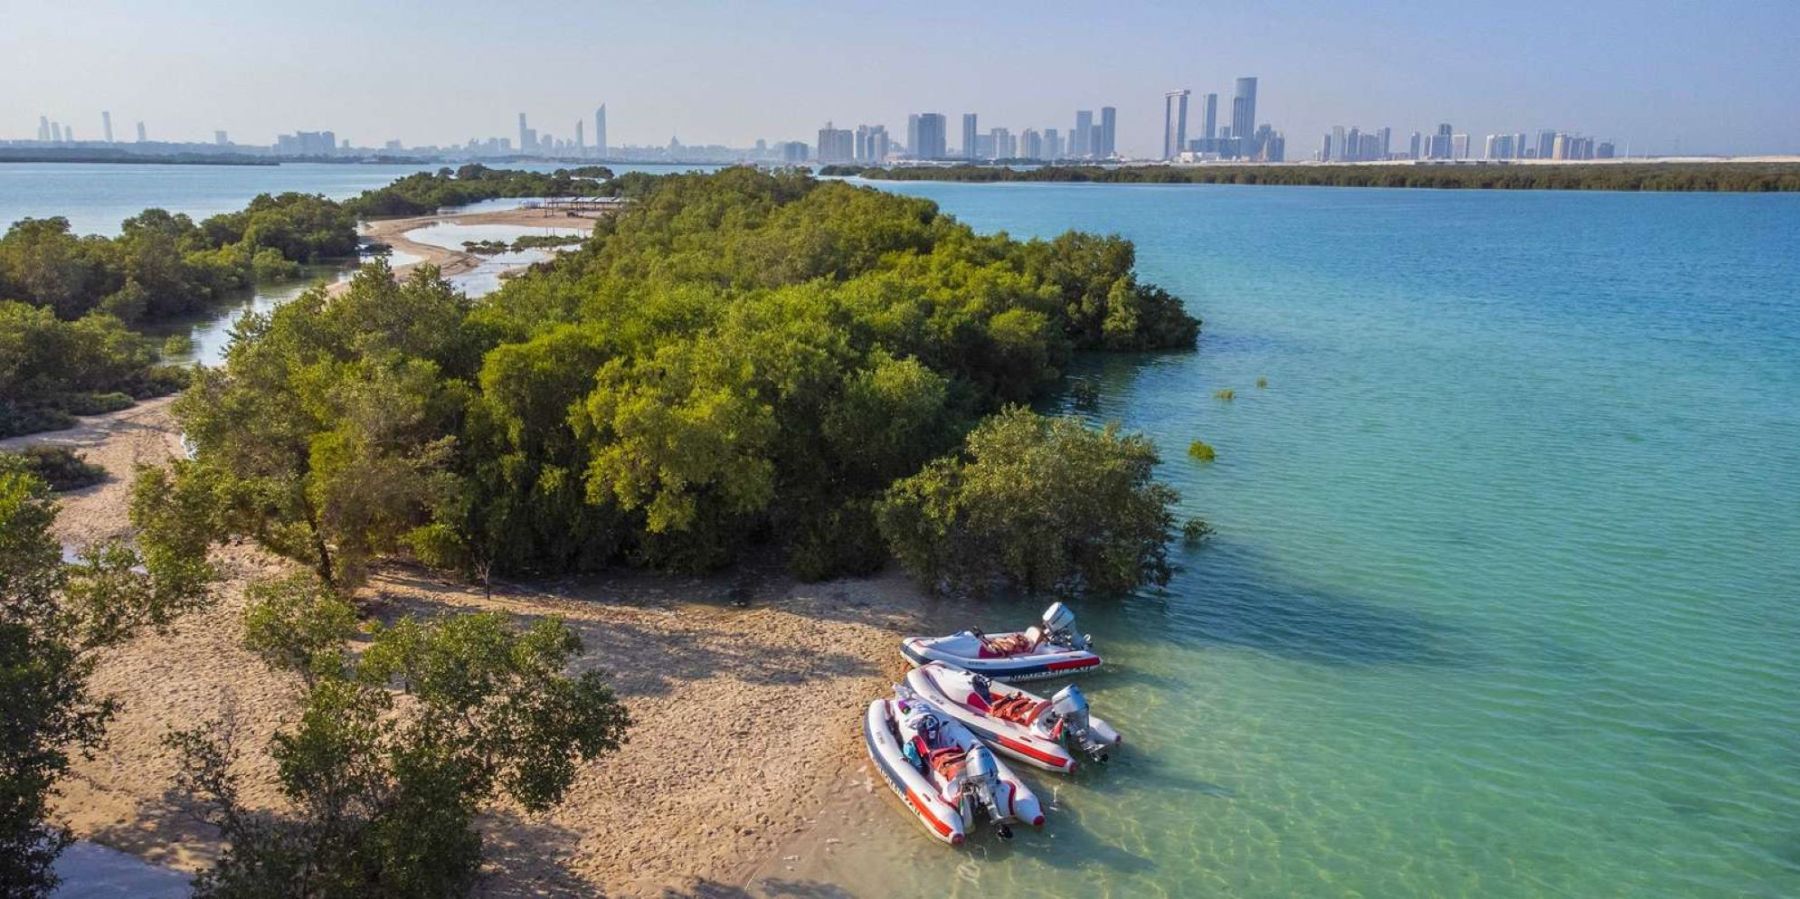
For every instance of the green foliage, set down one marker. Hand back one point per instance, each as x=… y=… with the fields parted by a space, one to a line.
x=1756 y=177
x=735 y=358
x=1043 y=505
x=54 y=618
x=1085 y=394
x=1201 y=451
x=52 y=369
x=164 y=265
x=1225 y=394
x=1195 y=531
x=384 y=793
x=58 y=466
x=1262 y=383
x=298 y=624
x=427 y=192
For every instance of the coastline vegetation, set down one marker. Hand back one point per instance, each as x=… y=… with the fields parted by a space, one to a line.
x=52 y=370
x=427 y=192
x=60 y=467
x=1626 y=176
x=739 y=360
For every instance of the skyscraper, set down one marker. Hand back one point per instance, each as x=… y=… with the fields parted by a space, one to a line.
x=1417 y=146
x=836 y=144
x=106 y=126
x=1210 y=121
x=1109 y=132
x=527 y=140
x=925 y=133
x=1031 y=144
x=220 y=138
x=580 y=139
x=1053 y=144
x=1339 y=145
x=968 y=135
x=1174 y=123
x=1546 y=144
x=600 y=130
x=1243 y=115
x=140 y=130
x=43 y=129
x=1081 y=139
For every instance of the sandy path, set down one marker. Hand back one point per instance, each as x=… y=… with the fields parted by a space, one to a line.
x=745 y=736
x=455 y=262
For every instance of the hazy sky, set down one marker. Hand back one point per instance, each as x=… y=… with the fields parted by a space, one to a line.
x=1720 y=76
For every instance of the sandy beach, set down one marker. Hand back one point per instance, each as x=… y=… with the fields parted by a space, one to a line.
x=745 y=733
x=393 y=232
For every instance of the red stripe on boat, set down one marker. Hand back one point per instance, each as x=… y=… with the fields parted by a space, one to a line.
x=1028 y=749
x=1072 y=663
x=925 y=810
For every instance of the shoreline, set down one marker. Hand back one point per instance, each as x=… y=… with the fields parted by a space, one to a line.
x=394 y=231
x=712 y=791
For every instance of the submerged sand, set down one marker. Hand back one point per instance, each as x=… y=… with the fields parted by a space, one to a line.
x=746 y=716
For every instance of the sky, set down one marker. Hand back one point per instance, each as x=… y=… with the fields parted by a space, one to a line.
x=1660 y=75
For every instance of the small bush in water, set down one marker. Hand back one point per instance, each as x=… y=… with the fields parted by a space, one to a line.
x=1201 y=451
x=1227 y=394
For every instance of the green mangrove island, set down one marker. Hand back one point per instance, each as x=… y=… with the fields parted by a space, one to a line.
x=1752 y=177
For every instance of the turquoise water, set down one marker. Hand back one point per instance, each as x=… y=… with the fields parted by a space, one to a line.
x=1505 y=596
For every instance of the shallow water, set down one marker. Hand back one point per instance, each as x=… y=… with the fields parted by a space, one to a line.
x=1505 y=596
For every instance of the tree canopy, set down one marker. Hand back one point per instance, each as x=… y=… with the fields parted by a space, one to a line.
x=737 y=359
x=1756 y=177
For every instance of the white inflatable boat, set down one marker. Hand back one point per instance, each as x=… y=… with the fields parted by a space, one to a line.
x=946 y=777
x=1046 y=733
x=1049 y=649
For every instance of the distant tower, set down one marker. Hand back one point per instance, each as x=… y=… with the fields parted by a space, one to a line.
x=1209 y=123
x=525 y=146
x=1175 y=105
x=1080 y=140
x=1243 y=115
x=1109 y=131
x=140 y=130
x=969 y=135
x=580 y=143
x=600 y=130
x=220 y=138
x=43 y=129
x=106 y=126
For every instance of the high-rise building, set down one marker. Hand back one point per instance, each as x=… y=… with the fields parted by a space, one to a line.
x=1243 y=115
x=580 y=138
x=1003 y=144
x=968 y=136
x=1109 y=133
x=925 y=135
x=1175 y=105
x=1337 y=142
x=1546 y=144
x=1440 y=143
x=1081 y=139
x=1031 y=144
x=140 y=132
x=879 y=146
x=600 y=130
x=219 y=139
x=1053 y=144
x=1386 y=142
x=43 y=129
x=1459 y=146
x=106 y=126
x=836 y=144
x=1416 y=147
x=1605 y=150
x=1209 y=124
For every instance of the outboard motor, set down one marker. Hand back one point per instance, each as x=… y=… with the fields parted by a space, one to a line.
x=980 y=786
x=1070 y=709
x=1059 y=627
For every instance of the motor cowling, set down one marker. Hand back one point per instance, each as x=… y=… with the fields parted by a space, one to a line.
x=1070 y=709
x=980 y=785
x=1059 y=627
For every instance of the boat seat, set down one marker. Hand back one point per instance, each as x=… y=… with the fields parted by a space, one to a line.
x=1019 y=709
x=948 y=761
x=1007 y=645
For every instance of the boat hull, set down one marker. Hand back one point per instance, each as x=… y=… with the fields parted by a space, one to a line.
x=949 y=690
x=960 y=650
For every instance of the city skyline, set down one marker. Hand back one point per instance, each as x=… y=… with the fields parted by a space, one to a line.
x=728 y=76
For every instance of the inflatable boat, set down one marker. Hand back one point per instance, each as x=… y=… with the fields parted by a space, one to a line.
x=1045 y=733
x=944 y=775
x=1051 y=648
